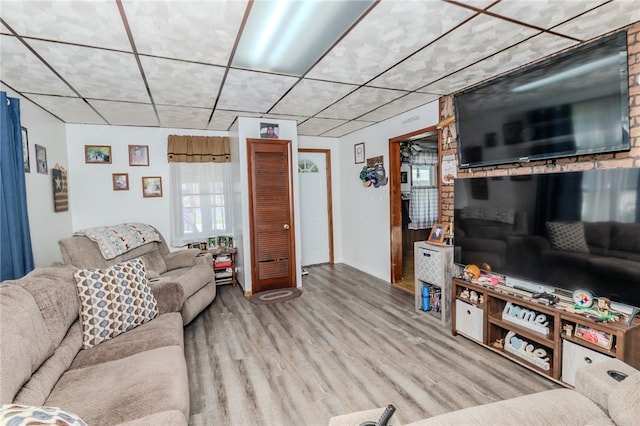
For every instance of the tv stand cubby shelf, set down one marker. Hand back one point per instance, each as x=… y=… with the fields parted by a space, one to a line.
x=535 y=334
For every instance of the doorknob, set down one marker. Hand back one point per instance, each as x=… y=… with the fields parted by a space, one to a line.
x=286 y=226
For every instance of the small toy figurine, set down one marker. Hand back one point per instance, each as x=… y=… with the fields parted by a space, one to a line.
x=464 y=294
x=499 y=343
x=604 y=305
x=473 y=297
x=568 y=329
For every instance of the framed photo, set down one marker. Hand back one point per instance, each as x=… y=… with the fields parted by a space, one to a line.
x=212 y=242
x=138 y=155
x=358 y=152
x=41 y=160
x=438 y=232
x=151 y=186
x=269 y=130
x=120 y=181
x=97 y=154
x=597 y=337
x=404 y=177
x=25 y=150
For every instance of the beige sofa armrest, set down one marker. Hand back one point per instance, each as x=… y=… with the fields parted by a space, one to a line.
x=168 y=294
x=181 y=259
x=595 y=383
x=204 y=259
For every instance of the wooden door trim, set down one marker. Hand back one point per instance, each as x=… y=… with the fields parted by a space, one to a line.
x=327 y=157
x=395 y=202
x=293 y=275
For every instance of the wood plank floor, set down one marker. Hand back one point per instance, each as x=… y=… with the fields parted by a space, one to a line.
x=350 y=342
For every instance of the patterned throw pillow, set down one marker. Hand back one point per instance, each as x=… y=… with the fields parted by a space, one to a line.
x=567 y=236
x=19 y=415
x=113 y=300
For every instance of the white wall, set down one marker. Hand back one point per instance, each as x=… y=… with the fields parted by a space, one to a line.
x=365 y=212
x=47 y=226
x=93 y=201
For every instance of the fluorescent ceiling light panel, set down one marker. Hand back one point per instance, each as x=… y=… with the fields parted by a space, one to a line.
x=289 y=36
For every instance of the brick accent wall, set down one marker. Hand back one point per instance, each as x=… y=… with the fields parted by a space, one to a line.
x=603 y=161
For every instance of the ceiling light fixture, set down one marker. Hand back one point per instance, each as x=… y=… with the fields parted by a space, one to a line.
x=289 y=36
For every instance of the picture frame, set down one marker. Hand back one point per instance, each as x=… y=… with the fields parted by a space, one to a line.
x=438 y=232
x=269 y=130
x=596 y=337
x=358 y=152
x=212 y=242
x=404 y=177
x=41 y=159
x=120 y=181
x=152 y=186
x=97 y=154
x=138 y=155
x=25 y=150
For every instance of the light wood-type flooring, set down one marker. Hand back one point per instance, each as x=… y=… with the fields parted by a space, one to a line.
x=350 y=342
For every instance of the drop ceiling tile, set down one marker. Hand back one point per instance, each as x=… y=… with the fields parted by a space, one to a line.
x=223 y=119
x=454 y=51
x=524 y=53
x=95 y=73
x=126 y=113
x=94 y=23
x=543 y=13
x=389 y=33
x=347 y=128
x=203 y=31
x=297 y=118
x=360 y=102
x=606 y=18
x=16 y=58
x=308 y=97
x=253 y=91
x=403 y=104
x=182 y=83
x=69 y=110
x=317 y=126
x=183 y=117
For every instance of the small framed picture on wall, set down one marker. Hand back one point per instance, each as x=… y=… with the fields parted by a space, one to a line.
x=97 y=154
x=358 y=152
x=152 y=186
x=138 y=155
x=120 y=181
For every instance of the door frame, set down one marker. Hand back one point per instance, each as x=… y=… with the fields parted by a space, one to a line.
x=395 y=202
x=293 y=275
x=327 y=162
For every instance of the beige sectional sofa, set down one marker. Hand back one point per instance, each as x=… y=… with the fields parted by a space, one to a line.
x=597 y=400
x=188 y=267
x=138 y=377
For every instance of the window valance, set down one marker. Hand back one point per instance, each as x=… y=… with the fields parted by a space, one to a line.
x=198 y=149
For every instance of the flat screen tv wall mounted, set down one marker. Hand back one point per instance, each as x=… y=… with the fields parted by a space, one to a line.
x=575 y=103
x=568 y=231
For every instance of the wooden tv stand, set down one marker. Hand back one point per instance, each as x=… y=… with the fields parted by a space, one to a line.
x=555 y=354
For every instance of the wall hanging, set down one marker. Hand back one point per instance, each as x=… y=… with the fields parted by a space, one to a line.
x=60 y=189
x=374 y=173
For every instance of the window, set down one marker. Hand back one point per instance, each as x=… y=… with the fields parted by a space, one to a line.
x=201 y=201
x=423 y=175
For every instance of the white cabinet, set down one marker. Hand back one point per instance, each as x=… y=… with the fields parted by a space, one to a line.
x=576 y=356
x=433 y=265
x=469 y=320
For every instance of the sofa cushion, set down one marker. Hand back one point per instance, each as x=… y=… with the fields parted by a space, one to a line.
x=191 y=279
x=126 y=389
x=25 y=340
x=181 y=258
x=567 y=236
x=37 y=389
x=624 y=402
x=164 y=330
x=113 y=300
x=26 y=415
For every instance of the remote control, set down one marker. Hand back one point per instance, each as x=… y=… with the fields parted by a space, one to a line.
x=386 y=415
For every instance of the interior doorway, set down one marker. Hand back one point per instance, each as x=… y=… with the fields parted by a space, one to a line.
x=316 y=208
x=400 y=178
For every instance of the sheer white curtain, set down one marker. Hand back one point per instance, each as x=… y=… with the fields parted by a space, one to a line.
x=423 y=200
x=201 y=201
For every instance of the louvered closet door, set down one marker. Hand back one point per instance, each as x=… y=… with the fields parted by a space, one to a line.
x=272 y=233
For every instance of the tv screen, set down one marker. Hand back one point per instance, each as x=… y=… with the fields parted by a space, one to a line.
x=577 y=230
x=572 y=104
